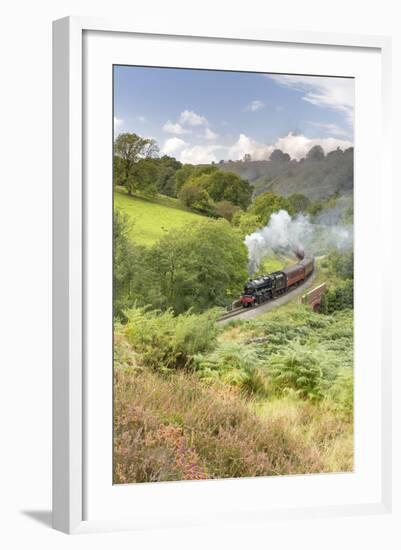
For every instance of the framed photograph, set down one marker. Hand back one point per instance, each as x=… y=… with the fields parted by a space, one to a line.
x=221 y=343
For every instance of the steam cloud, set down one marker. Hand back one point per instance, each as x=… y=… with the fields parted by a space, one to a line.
x=284 y=234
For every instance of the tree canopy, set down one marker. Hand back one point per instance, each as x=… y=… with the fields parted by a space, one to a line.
x=316 y=153
x=189 y=171
x=167 y=169
x=200 y=265
x=196 y=197
x=279 y=156
x=219 y=186
x=229 y=187
x=130 y=152
x=226 y=209
x=246 y=222
x=129 y=269
x=264 y=205
x=299 y=202
x=195 y=267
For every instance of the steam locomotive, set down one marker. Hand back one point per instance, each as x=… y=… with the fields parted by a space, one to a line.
x=267 y=287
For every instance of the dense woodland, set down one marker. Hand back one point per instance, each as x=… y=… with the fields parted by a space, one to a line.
x=196 y=400
x=317 y=176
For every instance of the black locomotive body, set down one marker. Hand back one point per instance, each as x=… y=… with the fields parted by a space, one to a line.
x=258 y=290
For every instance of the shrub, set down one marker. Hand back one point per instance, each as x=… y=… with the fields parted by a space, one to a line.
x=338 y=298
x=342 y=392
x=298 y=369
x=235 y=364
x=342 y=263
x=293 y=322
x=167 y=342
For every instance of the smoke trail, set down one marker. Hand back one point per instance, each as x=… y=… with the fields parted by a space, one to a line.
x=284 y=234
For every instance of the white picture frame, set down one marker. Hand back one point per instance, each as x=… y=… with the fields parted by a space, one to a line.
x=71 y=418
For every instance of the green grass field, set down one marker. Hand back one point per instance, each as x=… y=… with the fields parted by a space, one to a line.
x=153 y=216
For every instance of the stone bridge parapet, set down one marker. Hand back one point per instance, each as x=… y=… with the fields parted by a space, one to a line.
x=313 y=298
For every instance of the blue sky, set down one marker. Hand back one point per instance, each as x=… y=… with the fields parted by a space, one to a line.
x=203 y=116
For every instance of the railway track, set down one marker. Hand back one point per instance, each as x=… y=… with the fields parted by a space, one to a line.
x=232 y=313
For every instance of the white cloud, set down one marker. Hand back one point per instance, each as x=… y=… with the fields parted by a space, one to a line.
x=333 y=129
x=175 y=128
x=192 y=119
x=209 y=134
x=173 y=146
x=255 y=105
x=191 y=154
x=336 y=93
x=117 y=122
x=298 y=145
x=295 y=145
x=186 y=120
x=199 y=154
x=245 y=144
x=141 y=118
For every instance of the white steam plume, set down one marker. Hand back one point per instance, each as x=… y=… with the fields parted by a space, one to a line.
x=286 y=234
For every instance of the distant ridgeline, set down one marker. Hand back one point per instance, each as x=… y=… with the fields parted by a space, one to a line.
x=317 y=176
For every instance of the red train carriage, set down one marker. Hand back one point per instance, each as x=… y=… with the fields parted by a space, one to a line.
x=294 y=274
x=309 y=264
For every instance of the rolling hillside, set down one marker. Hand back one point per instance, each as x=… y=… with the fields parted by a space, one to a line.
x=316 y=179
x=152 y=217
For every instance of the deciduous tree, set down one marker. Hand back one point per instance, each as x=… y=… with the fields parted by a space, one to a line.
x=264 y=205
x=299 y=202
x=226 y=209
x=279 y=156
x=200 y=265
x=316 y=153
x=246 y=222
x=130 y=149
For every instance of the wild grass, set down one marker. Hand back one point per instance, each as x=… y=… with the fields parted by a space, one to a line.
x=177 y=428
x=326 y=433
x=153 y=216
